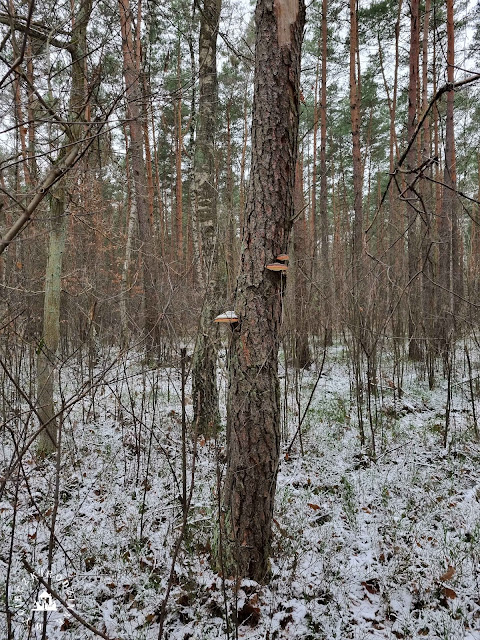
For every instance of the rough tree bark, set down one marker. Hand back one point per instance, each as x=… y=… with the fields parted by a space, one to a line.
x=47 y=357
x=204 y=379
x=253 y=422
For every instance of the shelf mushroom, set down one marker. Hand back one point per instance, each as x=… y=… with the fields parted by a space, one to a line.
x=229 y=317
x=277 y=266
x=283 y=257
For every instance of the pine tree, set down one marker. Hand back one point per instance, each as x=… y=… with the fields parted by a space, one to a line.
x=253 y=421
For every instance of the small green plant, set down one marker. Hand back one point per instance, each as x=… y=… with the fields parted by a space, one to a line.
x=435 y=426
x=349 y=501
x=334 y=409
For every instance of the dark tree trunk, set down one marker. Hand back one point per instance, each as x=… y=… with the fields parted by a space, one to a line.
x=450 y=161
x=357 y=316
x=313 y=204
x=414 y=350
x=428 y=247
x=253 y=423
x=300 y=307
x=474 y=257
x=395 y=237
x=448 y=230
x=204 y=379
x=326 y=270
x=178 y=166
x=357 y=257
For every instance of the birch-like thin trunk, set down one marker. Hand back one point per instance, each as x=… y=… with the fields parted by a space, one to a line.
x=204 y=378
x=30 y=112
x=358 y=318
x=313 y=204
x=22 y=129
x=324 y=225
x=178 y=166
x=231 y=248
x=357 y=252
x=297 y=281
x=243 y=160
x=457 y=241
x=414 y=306
x=474 y=257
x=428 y=245
x=130 y=227
x=448 y=225
x=47 y=358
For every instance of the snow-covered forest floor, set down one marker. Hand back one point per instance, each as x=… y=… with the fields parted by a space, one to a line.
x=364 y=547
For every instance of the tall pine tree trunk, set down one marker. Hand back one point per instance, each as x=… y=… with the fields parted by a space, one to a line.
x=204 y=379
x=253 y=423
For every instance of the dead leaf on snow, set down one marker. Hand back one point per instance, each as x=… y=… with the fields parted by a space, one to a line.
x=448 y=575
x=372 y=585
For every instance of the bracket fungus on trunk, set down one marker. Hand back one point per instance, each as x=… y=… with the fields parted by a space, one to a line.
x=283 y=257
x=229 y=317
x=277 y=266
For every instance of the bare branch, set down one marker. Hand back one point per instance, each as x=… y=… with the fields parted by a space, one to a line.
x=449 y=86
x=21 y=53
x=35 y=33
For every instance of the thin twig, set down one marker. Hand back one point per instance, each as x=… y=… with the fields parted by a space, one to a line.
x=309 y=400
